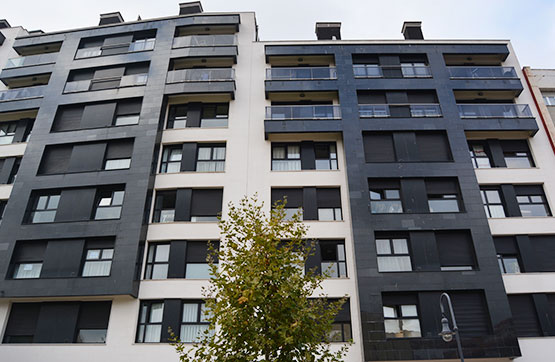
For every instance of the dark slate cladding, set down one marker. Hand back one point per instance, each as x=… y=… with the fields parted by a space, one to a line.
x=398 y=149
x=89 y=119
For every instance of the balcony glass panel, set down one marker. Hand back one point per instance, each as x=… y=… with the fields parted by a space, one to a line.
x=133 y=80
x=22 y=93
x=143 y=44
x=32 y=60
x=373 y=110
x=88 y=52
x=482 y=72
x=301 y=73
x=201 y=75
x=303 y=112
x=494 y=111
x=77 y=86
x=367 y=71
x=425 y=110
x=204 y=41
x=415 y=71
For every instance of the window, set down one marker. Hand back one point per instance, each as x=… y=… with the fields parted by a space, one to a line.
x=443 y=195
x=525 y=316
x=214 y=115
x=329 y=204
x=98 y=262
x=206 y=205
x=508 y=264
x=479 y=156
x=157 y=262
x=3 y=204
x=379 y=147
x=326 y=156
x=329 y=214
x=549 y=100
x=196 y=265
x=127 y=113
x=531 y=201
x=385 y=197
x=178 y=117
x=118 y=155
x=455 y=250
x=92 y=324
x=22 y=323
x=508 y=254
x=517 y=153
x=7 y=132
x=333 y=259
x=117 y=164
x=171 y=159
x=341 y=326
x=150 y=321
x=44 y=208
x=28 y=259
x=400 y=318
x=211 y=158
x=393 y=254
x=492 y=203
x=415 y=70
x=164 y=207
x=286 y=157
x=193 y=321
x=15 y=170
x=109 y=204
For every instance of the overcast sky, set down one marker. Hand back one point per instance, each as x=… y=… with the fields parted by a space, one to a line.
x=529 y=24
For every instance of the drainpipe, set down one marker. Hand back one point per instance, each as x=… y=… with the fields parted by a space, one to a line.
x=525 y=72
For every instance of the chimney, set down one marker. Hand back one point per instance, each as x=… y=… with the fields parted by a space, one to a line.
x=328 y=31
x=111 y=18
x=412 y=30
x=4 y=24
x=193 y=7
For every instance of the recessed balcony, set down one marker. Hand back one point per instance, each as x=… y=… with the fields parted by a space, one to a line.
x=301 y=73
x=193 y=41
x=108 y=83
x=494 y=111
x=30 y=60
x=22 y=93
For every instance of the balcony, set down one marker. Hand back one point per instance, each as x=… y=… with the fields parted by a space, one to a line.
x=384 y=110
x=482 y=73
x=90 y=84
x=22 y=93
x=193 y=41
x=401 y=71
x=303 y=112
x=30 y=60
x=301 y=73
x=201 y=75
x=494 y=111
x=135 y=46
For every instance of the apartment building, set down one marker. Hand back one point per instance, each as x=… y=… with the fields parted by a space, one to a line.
x=421 y=167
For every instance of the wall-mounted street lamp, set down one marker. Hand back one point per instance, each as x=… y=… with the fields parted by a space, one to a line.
x=446 y=332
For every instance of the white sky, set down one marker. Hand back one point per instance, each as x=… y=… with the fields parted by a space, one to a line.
x=529 y=24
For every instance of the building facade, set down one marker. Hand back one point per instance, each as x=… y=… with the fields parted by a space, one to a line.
x=421 y=167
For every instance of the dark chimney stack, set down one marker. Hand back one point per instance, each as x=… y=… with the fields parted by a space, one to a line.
x=111 y=18
x=193 y=7
x=412 y=30
x=328 y=31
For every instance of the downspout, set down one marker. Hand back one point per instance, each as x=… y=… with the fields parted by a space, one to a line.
x=524 y=71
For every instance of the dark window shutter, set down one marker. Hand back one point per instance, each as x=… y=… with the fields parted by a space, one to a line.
x=328 y=197
x=379 y=147
x=27 y=251
x=68 y=118
x=75 y=204
x=294 y=197
x=472 y=313
x=1 y=163
x=514 y=145
x=399 y=299
x=81 y=74
x=544 y=246
x=551 y=307
x=120 y=39
x=87 y=157
x=197 y=251
x=98 y=115
x=62 y=258
x=525 y=317
x=140 y=68
x=505 y=245
x=206 y=202
x=94 y=315
x=383 y=183
x=422 y=97
x=55 y=159
x=109 y=73
x=91 y=42
x=22 y=321
x=57 y=322
x=119 y=149
x=523 y=190
x=432 y=146
x=371 y=98
x=129 y=107
x=442 y=186
x=455 y=248
x=344 y=314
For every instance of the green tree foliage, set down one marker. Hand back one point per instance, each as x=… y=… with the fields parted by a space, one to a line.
x=259 y=301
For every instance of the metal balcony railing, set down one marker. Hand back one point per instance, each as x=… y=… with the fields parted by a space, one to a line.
x=135 y=46
x=300 y=112
x=30 y=60
x=204 y=41
x=125 y=81
x=300 y=73
x=494 y=111
x=201 y=75
x=377 y=71
x=22 y=93
x=383 y=110
x=482 y=72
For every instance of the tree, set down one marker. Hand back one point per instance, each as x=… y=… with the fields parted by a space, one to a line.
x=259 y=301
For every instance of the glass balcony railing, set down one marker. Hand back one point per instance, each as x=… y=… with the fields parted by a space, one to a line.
x=22 y=93
x=204 y=41
x=301 y=112
x=377 y=71
x=136 y=46
x=482 y=72
x=384 y=111
x=299 y=73
x=30 y=60
x=494 y=111
x=201 y=75
x=125 y=81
